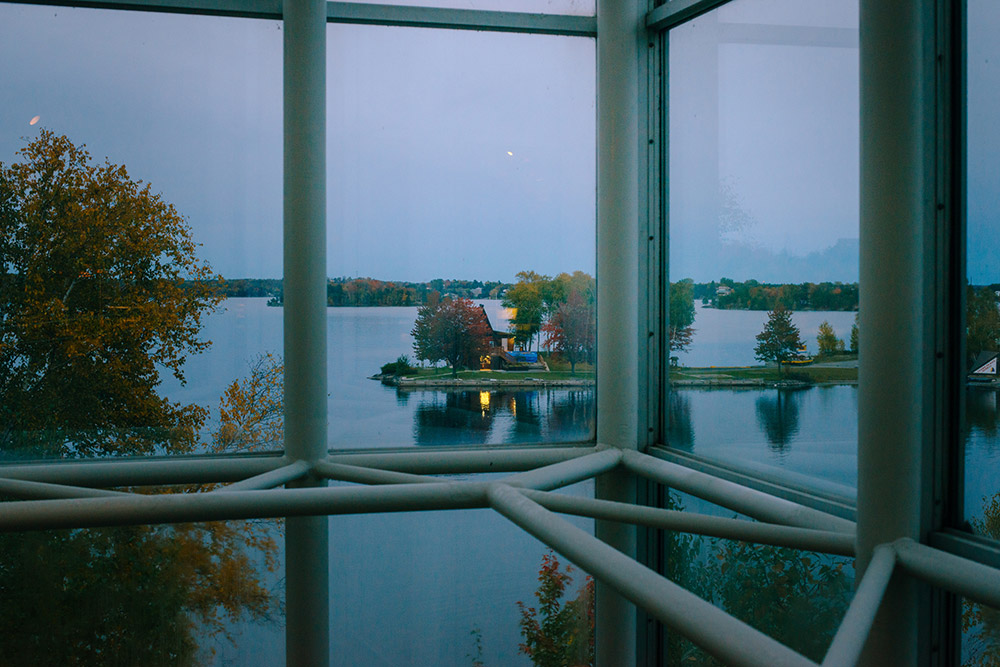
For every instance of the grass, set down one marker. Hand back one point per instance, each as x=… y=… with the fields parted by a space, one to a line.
x=813 y=374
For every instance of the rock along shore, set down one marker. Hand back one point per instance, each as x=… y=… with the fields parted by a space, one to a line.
x=485 y=383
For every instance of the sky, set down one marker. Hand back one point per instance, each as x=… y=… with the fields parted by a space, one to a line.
x=462 y=154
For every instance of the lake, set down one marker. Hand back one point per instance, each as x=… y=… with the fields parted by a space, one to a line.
x=396 y=582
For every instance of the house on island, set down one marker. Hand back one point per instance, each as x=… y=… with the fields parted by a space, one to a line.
x=502 y=355
x=984 y=367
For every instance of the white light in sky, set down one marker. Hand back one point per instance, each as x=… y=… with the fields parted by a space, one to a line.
x=510 y=154
x=34 y=120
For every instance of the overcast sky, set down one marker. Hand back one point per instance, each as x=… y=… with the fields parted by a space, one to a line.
x=472 y=155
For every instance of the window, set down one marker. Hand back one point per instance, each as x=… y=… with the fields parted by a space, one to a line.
x=762 y=109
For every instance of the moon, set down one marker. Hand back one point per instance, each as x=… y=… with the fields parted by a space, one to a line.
x=34 y=120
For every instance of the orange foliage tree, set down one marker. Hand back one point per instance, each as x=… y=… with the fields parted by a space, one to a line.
x=92 y=301
x=99 y=289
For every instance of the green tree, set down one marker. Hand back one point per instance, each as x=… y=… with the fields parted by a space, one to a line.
x=558 y=634
x=93 y=303
x=829 y=344
x=527 y=299
x=982 y=321
x=854 y=334
x=452 y=330
x=779 y=339
x=681 y=314
x=572 y=330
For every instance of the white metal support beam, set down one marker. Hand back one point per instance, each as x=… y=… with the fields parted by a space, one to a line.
x=307 y=549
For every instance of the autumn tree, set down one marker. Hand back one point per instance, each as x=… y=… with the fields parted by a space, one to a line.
x=558 y=633
x=93 y=303
x=780 y=339
x=572 y=330
x=681 y=314
x=451 y=330
x=827 y=339
x=100 y=292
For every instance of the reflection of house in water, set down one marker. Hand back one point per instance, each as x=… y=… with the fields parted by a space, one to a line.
x=502 y=355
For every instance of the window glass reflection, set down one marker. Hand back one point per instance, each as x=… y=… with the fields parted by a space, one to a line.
x=763 y=221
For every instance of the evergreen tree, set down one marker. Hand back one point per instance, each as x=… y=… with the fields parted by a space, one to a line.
x=780 y=338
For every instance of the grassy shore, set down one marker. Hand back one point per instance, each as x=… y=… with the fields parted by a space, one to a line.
x=445 y=374
x=807 y=374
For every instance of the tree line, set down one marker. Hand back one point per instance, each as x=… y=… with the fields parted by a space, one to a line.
x=370 y=292
x=729 y=294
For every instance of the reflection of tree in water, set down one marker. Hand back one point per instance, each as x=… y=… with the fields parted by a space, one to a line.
x=570 y=413
x=796 y=597
x=680 y=430
x=778 y=417
x=981 y=412
x=451 y=417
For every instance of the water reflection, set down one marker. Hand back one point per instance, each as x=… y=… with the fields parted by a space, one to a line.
x=481 y=416
x=981 y=412
x=778 y=417
x=680 y=430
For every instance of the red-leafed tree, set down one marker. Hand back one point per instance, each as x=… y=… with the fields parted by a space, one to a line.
x=572 y=330
x=451 y=330
x=558 y=633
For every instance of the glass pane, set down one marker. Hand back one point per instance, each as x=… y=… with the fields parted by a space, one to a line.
x=796 y=597
x=443 y=588
x=980 y=634
x=572 y=7
x=982 y=446
x=146 y=595
x=109 y=296
x=763 y=222
x=461 y=237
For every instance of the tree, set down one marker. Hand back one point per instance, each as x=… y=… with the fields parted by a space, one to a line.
x=854 y=334
x=100 y=290
x=982 y=321
x=681 y=314
x=557 y=634
x=780 y=338
x=828 y=342
x=452 y=330
x=93 y=301
x=572 y=330
x=526 y=298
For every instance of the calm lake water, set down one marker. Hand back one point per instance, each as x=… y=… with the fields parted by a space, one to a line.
x=398 y=582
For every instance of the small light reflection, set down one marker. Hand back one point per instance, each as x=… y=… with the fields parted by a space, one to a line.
x=34 y=120
x=484 y=400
